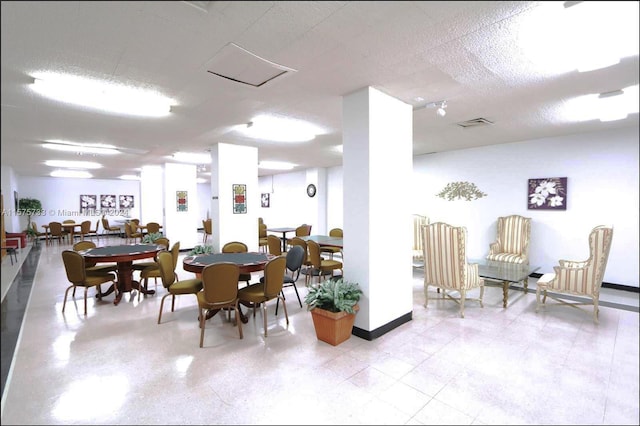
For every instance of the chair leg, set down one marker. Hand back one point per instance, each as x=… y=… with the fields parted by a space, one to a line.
x=202 y=317
x=161 y=305
x=86 y=289
x=65 y=295
x=463 y=295
x=238 y=320
x=264 y=317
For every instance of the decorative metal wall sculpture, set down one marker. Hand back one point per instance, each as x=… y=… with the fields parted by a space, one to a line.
x=461 y=190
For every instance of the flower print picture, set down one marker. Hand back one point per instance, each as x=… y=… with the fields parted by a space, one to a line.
x=125 y=201
x=108 y=201
x=547 y=194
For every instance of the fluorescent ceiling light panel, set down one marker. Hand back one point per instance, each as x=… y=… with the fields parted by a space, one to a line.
x=201 y=180
x=279 y=129
x=276 y=165
x=80 y=147
x=73 y=164
x=71 y=174
x=130 y=177
x=605 y=107
x=102 y=95
x=586 y=36
x=192 y=157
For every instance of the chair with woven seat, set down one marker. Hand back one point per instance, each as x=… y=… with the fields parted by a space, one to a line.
x=270 y=288
x=174 y=288
x=238 y=247
x=579 y=278
x=335 y=232
x=220 y=291
x=208 y=229
x=74 y=265
x=320 y=267
x=445 y=263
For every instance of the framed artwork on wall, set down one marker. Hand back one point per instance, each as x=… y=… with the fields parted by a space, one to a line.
x=125 y=201
x=547 y=193
x=182 y=202
x=108 y=201
x=88 y=202
x=265 y=199
x=239 y=198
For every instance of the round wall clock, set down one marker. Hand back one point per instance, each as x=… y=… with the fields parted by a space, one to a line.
x=311 y=190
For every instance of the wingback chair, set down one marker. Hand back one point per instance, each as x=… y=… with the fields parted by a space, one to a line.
x=581 y=278
x=418 y=222
x=445 y=263
x=512 y=242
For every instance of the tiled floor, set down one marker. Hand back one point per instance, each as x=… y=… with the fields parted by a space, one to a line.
x=495 y=366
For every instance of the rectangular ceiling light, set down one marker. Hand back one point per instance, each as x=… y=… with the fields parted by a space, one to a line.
x=71 y=174
x=102 y=95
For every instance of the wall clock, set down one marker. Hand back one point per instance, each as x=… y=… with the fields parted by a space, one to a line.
x=311 y=190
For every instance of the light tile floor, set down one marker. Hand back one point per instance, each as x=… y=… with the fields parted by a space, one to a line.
x=495 y=366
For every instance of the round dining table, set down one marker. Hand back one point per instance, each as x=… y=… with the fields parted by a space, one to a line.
x=123 y=255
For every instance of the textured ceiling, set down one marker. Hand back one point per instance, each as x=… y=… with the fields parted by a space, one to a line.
x=467 y=53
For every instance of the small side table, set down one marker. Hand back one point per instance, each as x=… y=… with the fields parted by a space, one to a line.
x=12 y=253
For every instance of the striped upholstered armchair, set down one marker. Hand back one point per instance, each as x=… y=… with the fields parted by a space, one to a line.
x=512 y=243
x=579 y=278
x=418 y=253
x=445 y=263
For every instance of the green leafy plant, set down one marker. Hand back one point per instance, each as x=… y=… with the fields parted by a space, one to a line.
x=201 y=250
x=29 y=207
x=151 y=237
x=334 y=295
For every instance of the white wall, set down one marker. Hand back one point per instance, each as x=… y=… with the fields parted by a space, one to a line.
x=602 y=188
x=60 y=198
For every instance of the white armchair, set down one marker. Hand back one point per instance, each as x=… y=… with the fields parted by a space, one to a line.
x=512 y=242
x=445 y=263
x=581 y=278
x=418 y=222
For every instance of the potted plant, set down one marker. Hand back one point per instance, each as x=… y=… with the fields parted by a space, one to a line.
x=151 y=237
x=333 y=304
x=29 y=207
x=199 y=249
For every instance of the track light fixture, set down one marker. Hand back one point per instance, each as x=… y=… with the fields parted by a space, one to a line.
x=441 y=105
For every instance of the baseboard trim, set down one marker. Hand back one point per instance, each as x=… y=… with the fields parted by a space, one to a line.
x=604 y=284
x=374 y=334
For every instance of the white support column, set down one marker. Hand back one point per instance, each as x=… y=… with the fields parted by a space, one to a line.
x=234 y=165
x=377 y=170
x=152 y=195
x=318 y=177
x=181 y=224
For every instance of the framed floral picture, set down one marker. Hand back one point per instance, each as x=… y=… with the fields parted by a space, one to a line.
x=108 y=201
x=88 y=202
x=182 y=201
x=125 y=201
x=239 y=198
x=547 y=194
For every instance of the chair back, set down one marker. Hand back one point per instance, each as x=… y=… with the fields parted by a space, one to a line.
x=175 y=253
x=514 y=233
x=84 y=245
x=220 y=282
x=105 y=223
x=336 y=232
x=97 y=226
x=586 y=277
x=314 y=254
x=136 y=221
x=418 y=222
x=208 y=226
x=274 y=245
x=74 y=267
x=303 y=230
x=262 y=230
x=235 y=247
x=153 y=227
x=69 y=221
x=55 y=229
x=162 y=241
x=167 y=271
x=127 y=230
x=297 y=241
x=295 y=258
x=445 y=259
x=85 y=227
x=274 y=276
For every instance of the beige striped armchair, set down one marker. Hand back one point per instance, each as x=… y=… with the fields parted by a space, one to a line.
x=580 y=278
x=512 y=242
x=445 y=263
x=418 y=253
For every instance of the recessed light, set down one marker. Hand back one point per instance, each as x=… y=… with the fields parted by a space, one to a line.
x=73 y=164
x=71 y=174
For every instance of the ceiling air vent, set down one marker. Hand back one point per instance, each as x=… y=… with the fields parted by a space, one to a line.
x=238 y=64
x=475 y=123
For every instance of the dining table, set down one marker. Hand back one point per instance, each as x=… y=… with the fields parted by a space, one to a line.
x=324 y=240
x=283 y=231
x=247 y=262
x=123 y=255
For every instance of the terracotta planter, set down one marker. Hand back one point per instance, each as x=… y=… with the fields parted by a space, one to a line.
x=333 y=327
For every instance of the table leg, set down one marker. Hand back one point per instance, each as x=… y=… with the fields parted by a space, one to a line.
x=505 y=293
